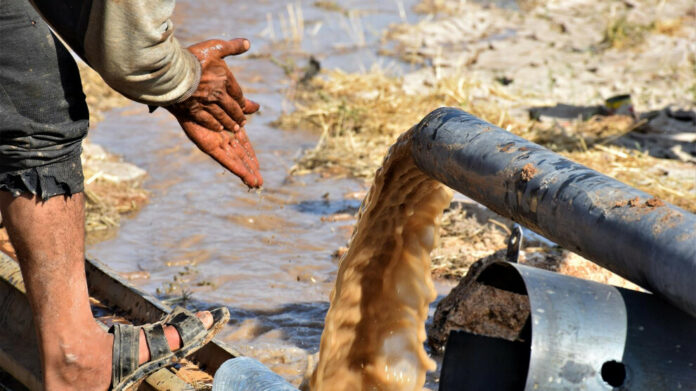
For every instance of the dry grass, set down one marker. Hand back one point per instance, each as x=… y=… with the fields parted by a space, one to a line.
x=360 y=115
x=468 y=233
x=106 y=202
x=100 y=97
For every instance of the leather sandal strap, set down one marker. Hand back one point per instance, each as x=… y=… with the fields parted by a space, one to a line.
x=187 y=324
x=156 y=341
x=126 y=351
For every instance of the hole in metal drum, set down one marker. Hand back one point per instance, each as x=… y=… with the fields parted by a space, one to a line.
x=614 y=373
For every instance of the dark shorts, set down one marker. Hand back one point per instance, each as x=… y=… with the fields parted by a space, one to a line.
x=43 y=114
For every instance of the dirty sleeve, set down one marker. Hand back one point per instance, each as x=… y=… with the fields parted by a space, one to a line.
x=130 y=43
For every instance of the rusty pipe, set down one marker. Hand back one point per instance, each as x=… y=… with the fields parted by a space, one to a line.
x=623 y=229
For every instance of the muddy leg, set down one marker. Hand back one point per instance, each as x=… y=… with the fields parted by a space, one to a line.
x=49 y=239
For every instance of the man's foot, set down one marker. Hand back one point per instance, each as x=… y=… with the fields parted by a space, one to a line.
x=76 y=353
x=84 y=361
x=172 y=336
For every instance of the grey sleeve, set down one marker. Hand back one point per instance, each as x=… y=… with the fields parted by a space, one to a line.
x=132 y=46
x=130 y=43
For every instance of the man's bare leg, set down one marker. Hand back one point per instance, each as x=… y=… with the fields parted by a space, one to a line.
x=49 y=239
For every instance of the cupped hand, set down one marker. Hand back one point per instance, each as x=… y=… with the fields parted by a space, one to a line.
x=214 y=116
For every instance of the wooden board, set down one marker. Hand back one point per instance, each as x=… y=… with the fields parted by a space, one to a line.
x=18 y=348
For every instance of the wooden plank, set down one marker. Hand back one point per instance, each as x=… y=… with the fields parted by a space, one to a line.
x=9 y=383
x=165 y=380
x=19 y=355
x=110 y=288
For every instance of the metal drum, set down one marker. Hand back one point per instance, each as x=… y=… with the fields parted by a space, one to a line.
x=581 y=335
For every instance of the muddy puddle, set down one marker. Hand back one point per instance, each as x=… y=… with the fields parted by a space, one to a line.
x=206 y=240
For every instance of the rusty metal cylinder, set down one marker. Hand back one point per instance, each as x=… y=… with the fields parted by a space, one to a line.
x=623 y=229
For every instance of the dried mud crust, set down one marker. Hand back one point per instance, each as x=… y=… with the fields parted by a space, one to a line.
x=479 y=309
x=567 y=51
x=635 y=202
x=528 y=172
x=113 y=188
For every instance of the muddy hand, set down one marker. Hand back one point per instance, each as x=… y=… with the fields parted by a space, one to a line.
x=214 y=116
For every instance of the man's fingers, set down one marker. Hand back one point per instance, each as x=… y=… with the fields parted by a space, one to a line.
x=246 y=144
x=207 y=121
x=222 y=117
x=236 y=166
x=234 y=89
x=238 y=147
x=236 y=161
x=225 y=149
x=232 y=109
x=249 y=156
x=250 y=107
x=232 y=47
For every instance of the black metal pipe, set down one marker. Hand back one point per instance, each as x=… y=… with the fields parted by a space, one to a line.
x=625 y=230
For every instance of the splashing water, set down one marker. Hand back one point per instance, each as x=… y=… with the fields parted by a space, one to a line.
x=375 y=328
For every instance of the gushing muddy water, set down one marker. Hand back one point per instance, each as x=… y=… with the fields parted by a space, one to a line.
x=375 y=328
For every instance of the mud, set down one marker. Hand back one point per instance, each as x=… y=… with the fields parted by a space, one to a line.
x=528 y=172
x=479 y=309
x=374 y=331
x=633 y=202
x=654 y=203
x=562 y=51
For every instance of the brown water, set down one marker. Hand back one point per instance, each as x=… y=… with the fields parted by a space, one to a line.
x=374 y=333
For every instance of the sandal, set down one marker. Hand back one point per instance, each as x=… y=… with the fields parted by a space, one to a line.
x=125 y=371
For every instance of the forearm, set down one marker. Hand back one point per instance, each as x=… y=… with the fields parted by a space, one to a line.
x=130 y=43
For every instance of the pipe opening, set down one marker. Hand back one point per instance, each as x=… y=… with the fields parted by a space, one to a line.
x=614 y=373
x=492 y=334
x=504 y=277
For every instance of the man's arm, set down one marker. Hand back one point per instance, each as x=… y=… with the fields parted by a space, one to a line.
x=130 y=43
x=132 y=46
